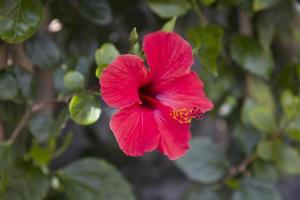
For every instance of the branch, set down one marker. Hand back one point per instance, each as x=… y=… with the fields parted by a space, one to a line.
x=242 y=167
x=2 y=133
x=30 y=111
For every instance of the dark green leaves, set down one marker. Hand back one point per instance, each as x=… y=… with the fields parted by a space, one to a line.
x=256 y=189
x=21 y=22
x=248 y=53
x=43 y=52
x=204 y=162
x=84 y=109
x=202 y=193
x=94 y=179
x=41 y=126
x=208 y=41
x=169 y=8
x=8 y=87
x=104 y=56
x=24 y=182
x=98 y=11
x=7 y=155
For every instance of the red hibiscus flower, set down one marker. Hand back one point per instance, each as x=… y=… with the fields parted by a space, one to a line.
x=156 y=104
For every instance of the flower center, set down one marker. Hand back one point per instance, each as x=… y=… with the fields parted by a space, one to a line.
x=147 y=95
x=185 y=115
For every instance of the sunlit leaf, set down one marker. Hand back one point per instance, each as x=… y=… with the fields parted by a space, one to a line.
x=84 y=109
x=74 y=80
x=169 y=26
x=104 y=56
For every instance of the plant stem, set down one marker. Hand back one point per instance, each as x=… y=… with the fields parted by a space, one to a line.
x=202 y=18
x=29 y=112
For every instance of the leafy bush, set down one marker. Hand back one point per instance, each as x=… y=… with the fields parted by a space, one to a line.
x=52 y=53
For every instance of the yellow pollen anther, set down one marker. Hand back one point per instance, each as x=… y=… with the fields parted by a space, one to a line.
x=185 y=115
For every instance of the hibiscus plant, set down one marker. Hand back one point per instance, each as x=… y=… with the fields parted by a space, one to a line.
x=152 y=99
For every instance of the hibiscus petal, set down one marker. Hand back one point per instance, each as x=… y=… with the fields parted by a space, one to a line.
x=174 y=137
x=135 y=129
x=121 y=80
x=168 y=55
x=184 y=92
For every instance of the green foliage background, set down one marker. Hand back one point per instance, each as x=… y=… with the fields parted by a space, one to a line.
x=54 y=137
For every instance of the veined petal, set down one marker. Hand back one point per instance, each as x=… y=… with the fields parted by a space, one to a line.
x=174 y=137
x=135 y=129
x=168 y=55
x=120 y=81
x=183 y=92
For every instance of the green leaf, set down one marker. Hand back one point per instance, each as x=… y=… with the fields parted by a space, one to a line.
x=25 y=82
x=207 y=2
x=97 y=11
x=58 y=80
x=41 y=126
x=248 y=53
x=204 y=162
x=259 y=5
x=208 y=40
x=265 y=150
x=169 y=26
x=24 y=182
x=8 y=87
x=84 y=109
x=134 y=43
x=265 y=170
x=104 y=56
x=43 y=52
x=94 y=179
x=40 y=155
x=169 y=8
x=266 y=29
x=262 y=119
x=7 y=7
x=260 y=92
x=256 y=189
x=83 y=66
x=247 y=138
x=61 y=120
x=74 y=80
x=201 y=193
x=293 y=130
x=7 y=155
x=289 y=160
x=22 y=22
x=290 y=104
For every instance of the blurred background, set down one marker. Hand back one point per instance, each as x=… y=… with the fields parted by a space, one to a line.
x=55 y=140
